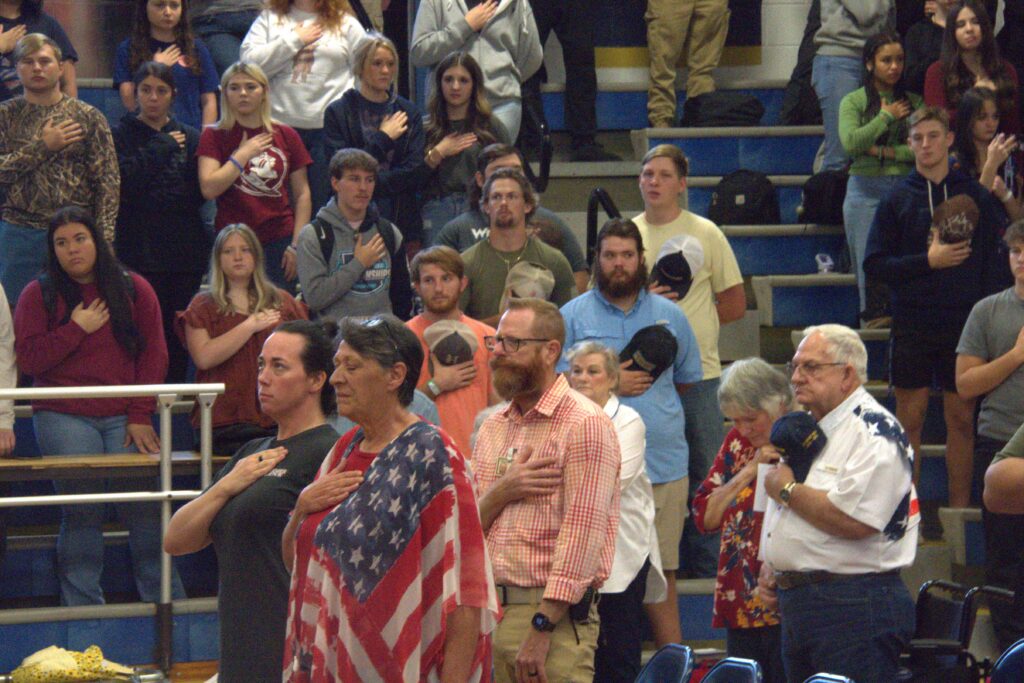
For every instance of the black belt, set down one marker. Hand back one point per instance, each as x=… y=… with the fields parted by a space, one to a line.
x=787 y=580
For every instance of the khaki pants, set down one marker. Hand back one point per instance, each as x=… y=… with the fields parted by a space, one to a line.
x=567 y=662
x=682 y=31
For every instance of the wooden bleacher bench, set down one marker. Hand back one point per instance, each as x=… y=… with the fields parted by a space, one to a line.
x=99 y=466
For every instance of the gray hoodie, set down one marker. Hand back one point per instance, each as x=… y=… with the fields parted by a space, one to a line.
x=847 y=24
x=507 y=49
x=346 y=288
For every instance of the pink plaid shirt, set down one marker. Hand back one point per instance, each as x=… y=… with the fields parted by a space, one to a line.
x=563 y=541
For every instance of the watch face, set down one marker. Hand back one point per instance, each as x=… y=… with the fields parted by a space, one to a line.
x=542 y=623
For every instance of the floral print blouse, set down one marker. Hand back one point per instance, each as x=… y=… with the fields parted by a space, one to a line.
x=737 y=604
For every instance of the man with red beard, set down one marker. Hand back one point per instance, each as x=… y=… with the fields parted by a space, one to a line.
x=460 y=390
x=547 y=467
x=614 y=311
x=509 y=201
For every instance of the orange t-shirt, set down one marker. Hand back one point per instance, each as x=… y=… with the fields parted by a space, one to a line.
x=459 y=408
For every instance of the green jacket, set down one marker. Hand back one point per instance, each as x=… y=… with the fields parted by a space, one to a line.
x=858 y=133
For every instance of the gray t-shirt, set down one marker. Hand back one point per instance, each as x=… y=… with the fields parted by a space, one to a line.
x=471 y=227
x=991 y=330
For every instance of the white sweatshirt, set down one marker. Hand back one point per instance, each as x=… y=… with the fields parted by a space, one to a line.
x=303 y=82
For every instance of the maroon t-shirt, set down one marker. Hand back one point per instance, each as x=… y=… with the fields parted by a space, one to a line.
x=259 y=197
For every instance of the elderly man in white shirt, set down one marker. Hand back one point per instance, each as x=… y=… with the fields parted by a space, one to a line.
x=834 y=544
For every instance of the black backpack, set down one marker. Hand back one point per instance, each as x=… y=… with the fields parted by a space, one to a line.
x=722 y=109
x=745 y=198
x=823 y=196
x=400 y=291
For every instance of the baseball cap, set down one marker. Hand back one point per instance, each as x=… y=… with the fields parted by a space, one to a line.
x=652 y=349
x=451 y=341
x=679 y=259
x=799 y=440
x=527 y=279
x=956 y=218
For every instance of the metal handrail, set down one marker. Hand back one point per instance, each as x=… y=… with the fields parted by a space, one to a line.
x=540 y=179
x=598 y=196
x=166 y=395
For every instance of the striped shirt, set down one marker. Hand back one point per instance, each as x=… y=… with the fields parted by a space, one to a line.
x=563 y=541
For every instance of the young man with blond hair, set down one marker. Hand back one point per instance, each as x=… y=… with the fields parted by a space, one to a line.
x=715 y=297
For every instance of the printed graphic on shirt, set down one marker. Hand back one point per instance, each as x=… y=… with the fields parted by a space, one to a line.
x=264 y=174
x=373 y=278
x=302 y=64
x=885 y=425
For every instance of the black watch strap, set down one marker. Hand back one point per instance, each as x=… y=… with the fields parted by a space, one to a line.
x=541 y=623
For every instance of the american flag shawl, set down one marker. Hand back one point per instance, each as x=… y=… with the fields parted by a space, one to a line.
x=376 y=576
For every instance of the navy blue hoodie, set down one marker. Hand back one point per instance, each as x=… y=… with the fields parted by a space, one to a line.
x=897 y=253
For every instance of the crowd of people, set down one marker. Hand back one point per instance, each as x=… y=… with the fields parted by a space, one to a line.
x=457 y=450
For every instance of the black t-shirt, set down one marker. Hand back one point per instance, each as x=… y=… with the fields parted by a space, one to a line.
x=10 y=86
x=253 y=582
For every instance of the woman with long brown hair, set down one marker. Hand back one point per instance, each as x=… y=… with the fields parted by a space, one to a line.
x=970 y=58
x=161 y=33
x=459 y=125
x=306 y=48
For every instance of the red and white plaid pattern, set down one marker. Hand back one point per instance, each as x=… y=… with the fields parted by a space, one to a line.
x=564 y=541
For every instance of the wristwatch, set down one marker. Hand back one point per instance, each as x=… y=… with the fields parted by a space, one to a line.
x=787 y=492
x=541 y=622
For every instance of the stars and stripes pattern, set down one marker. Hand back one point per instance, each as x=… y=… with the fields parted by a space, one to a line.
x=387 y=565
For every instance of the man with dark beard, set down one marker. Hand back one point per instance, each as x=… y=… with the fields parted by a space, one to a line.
x=547 y=468
x=460 y=389
x=611 y=314
x=508 y=201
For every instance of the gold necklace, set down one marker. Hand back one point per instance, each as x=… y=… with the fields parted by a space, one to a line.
x=509 y=264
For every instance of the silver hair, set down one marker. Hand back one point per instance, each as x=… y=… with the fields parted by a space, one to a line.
x=752 y=384
x=847 y=346
x=610 y=358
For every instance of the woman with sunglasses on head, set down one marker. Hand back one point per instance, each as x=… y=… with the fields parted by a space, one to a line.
x=225 y=328
x=160 y=232
x=245 y=509
x=87 y=321
x=970 y=58
x=386 y=547
x=255 y=167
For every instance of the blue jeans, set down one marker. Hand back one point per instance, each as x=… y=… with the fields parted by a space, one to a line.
x=863 y=195
x=438 y=212
x=698 y=553
x=223 y=34
x=22 y=257
x=319 y=180
x=854 y=627
x=80 y=543
x=273 y=252
x=833 y=78
x=510 y=113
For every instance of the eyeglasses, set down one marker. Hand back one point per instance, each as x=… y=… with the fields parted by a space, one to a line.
x=380 y=323
x=508 y=344
x=809 y=368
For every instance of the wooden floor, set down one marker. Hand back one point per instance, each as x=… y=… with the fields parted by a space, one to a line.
x=193 y=672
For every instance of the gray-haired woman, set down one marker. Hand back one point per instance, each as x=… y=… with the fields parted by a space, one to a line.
x=752 y=395
x=385 y=546
x=636 y=575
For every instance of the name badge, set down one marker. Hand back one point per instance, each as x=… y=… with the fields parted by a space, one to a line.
x=828 y=469
x=505 y=461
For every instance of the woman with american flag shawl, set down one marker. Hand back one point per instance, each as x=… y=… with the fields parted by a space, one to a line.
x=390 y=576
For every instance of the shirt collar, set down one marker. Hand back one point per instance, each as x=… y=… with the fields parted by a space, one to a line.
x=830 y=423
x=611 y=406
x=549 y=400
x=609 y=305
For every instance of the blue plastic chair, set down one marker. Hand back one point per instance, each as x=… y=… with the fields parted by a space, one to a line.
x=829 y=678
x=1009 y=668
x=671 y=664
x=734 y=670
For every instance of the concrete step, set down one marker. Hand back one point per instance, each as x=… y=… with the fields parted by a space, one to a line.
x=773 y=150
x=802 y=300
